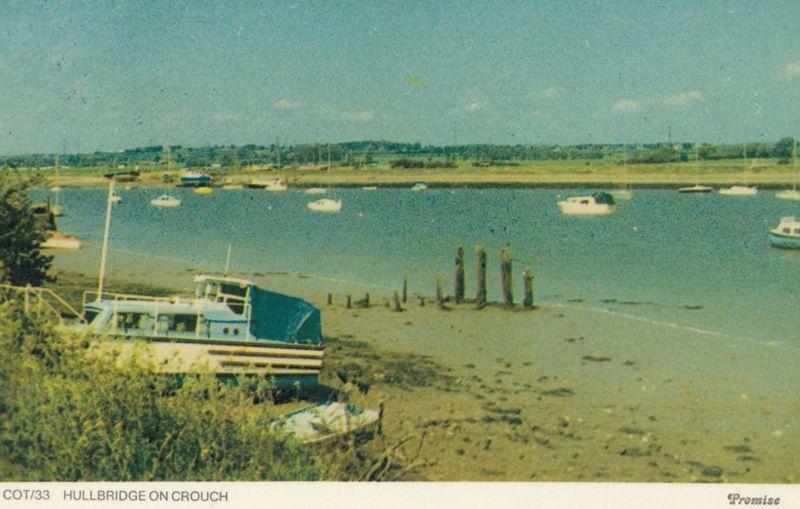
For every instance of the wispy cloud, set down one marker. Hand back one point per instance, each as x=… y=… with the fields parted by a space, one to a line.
x=222 y=117
x=359 y=117
x=473 y=106
x=626 y=106
x=285 y=104
x=792 y=69
x=682 y=99
x=546 y=94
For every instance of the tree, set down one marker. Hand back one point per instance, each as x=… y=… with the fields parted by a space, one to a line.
x=783 y=148
x=21 y=234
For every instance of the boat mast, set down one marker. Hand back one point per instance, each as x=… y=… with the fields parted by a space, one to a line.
x=794 y=164
x=227 y=260
x=104 y=252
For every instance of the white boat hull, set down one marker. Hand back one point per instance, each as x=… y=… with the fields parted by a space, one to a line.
x=579 y=209
x=165 y=203
x=315 y=190
x=739 y=191
x=325 y=205
x=788 y=195
x=69 y=243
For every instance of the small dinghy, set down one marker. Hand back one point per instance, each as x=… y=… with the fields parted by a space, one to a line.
x=325 y=421
x=697 y=188
x=326 y=205
x=315 y=190
x=165 y=200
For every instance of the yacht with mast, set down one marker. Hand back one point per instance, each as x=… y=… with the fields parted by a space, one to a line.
x=744 y=190
x=791 y=194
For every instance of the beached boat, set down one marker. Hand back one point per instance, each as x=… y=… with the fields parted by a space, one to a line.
x=786 y=234
x=325 y=205
x=267 y=184
x=369 y=188
x=697 y=188
x=598 y=204
x=194 y=179
x=229 y=327
x=203 y=190
x=325 y=421
x=165 y=200
x=315 y=190
x=57 y=240
x=419 y=186
x=739 y=191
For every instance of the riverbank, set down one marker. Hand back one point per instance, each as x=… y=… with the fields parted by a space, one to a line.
x=578 y=173
x=560 y=393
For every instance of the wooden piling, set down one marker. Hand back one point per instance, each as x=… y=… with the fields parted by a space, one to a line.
x=480 y=262
x=505 y=274
x=528 y=281
x=349 y=301
x=459 y=288
x=421 y=301
x=397 y=306
x=330 y=299
x=439 y=293
x=405 y=289
x=366 y=300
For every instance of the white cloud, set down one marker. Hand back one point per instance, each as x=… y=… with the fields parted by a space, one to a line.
x=626 y=106
x=359 y=117
x=547 y=93
x=682 y=99
x=792 y=69
x=222 y=117
x=285 y=104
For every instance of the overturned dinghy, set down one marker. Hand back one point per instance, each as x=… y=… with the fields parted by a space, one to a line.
x=325 y=421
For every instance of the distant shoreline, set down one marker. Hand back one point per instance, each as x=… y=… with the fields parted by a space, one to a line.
x=516 y=180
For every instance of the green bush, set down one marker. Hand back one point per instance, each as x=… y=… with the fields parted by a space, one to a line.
x=69 y=413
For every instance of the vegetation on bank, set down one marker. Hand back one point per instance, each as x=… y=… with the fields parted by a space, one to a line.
x=408 y=155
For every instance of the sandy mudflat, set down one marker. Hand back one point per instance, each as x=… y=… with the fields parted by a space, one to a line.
x=558 y=393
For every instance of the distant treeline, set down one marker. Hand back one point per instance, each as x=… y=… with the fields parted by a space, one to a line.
x=402 y=155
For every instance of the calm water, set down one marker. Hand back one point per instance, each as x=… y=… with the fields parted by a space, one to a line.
x=694 y=260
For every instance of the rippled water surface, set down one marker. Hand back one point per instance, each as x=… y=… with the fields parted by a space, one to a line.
x=699 y=261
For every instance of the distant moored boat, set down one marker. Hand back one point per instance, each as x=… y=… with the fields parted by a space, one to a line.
x=165 y=200
x=786 y=234
x=598 y=204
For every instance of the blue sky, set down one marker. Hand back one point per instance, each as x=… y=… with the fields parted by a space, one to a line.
x=102 y=75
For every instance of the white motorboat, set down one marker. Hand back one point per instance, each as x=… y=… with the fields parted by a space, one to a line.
x=315 y=190
x=165 y=200
x=325 y=205
x=787 y=233
x=369 y=188
x=115 y=198
x=697 y=188
x=598 y=204
x=420 y=186
x=739 y=191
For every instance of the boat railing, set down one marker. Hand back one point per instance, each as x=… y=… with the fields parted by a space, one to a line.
x=40 y=301
x=127 y=297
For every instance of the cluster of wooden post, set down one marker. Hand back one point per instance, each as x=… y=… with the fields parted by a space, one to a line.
x=505 y=277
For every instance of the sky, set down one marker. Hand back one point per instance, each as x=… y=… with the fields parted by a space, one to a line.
x=80 y=76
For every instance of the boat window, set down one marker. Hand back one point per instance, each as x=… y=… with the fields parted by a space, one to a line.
x=787 y=230
x=129 y=320
x=177 y=323
x=797 y=230
x=585 y=202
x=89 y=315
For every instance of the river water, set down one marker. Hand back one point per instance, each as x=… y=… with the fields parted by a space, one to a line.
x=698 y=261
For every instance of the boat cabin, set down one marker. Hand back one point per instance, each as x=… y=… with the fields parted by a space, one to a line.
x=222 y=308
